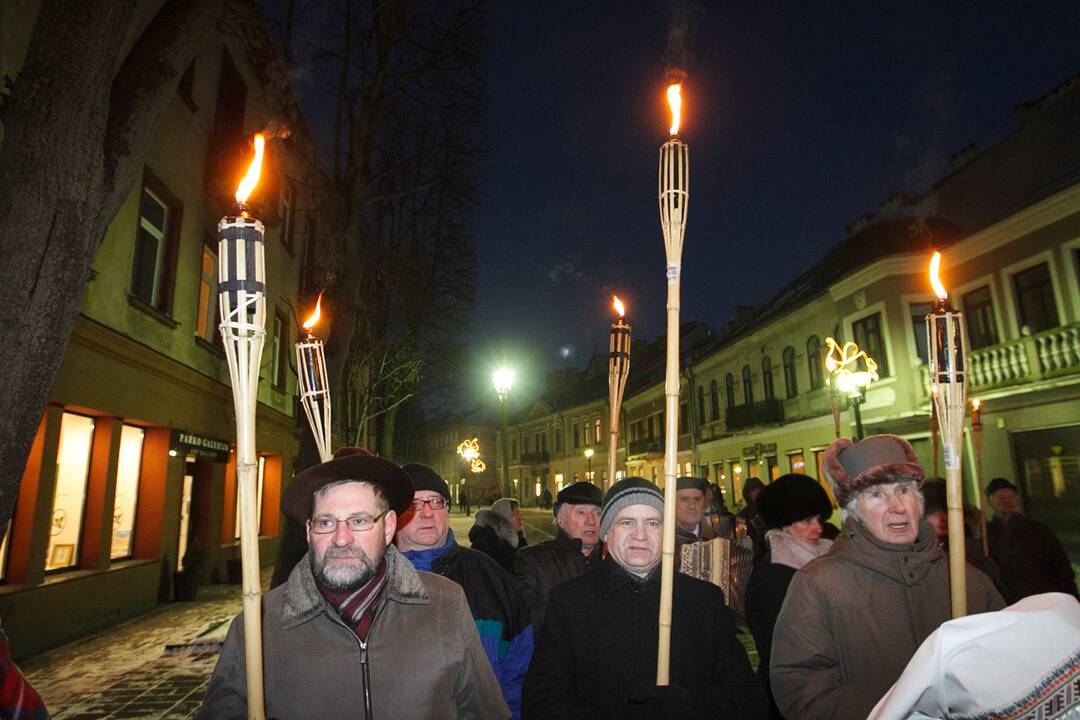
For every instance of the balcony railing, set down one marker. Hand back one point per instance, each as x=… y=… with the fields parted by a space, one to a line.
x=647 y=446
x=535 y=458
x=766 y=412
x=1027 y=359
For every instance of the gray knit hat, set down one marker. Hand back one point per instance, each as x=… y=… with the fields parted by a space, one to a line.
x=628 y=491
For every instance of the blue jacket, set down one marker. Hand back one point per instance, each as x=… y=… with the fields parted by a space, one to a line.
x=502 y=620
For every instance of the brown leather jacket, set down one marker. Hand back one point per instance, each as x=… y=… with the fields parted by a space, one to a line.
x=853 y=618
x=425 y=658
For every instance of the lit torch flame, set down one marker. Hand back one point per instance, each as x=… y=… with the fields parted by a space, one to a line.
x=314 y=317
x=976 y=404
x=935 y=281
x=618 y=305
x=252 y=177
x=674 y=98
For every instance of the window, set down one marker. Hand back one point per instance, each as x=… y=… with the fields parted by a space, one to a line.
x=206 y=326
x=918 y=326
x=258 y=499
x=1035 y=298
x=308 y=279
x=791 y=378
x=558 y=440
x=766 y=379
x=701 y=403
x=714 y=400
x=524 y=444
x=4 y=550
x=813 y=361
x=513 y=448
x=588 y=433
x=684 y=419
x=541 y=441
x=155 y=246
x=596 y=428
x=868 y=337
x=288 y=214
x=979 y=311
x=797 y=461
x=72 y=474
x=747 y=386
x=128 y=467
x=279 y=349
x=575 y=430
x=729 y=391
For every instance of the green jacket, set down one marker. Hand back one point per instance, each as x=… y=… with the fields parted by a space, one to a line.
x=853 y=618
x=425 y=658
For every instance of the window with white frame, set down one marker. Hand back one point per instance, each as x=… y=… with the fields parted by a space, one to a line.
x=978 y=305
x=1035 y=304
x=868 y=335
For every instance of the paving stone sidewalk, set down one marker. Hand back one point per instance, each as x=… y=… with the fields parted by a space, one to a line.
x=155 y=666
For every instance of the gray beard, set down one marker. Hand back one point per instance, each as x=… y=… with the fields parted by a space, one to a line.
x=343 y=578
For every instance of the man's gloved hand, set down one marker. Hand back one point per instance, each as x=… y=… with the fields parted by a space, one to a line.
x=662 y=701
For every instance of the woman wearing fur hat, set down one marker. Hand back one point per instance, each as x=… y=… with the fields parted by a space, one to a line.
x=495 y=536
x=853 y=618
x=792 y=509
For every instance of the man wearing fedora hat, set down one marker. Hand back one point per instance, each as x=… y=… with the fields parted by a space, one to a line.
x=356 y=631
x=853 y=618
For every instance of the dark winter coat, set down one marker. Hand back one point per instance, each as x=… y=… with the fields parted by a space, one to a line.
x=853 y=618
x=764 y=597
x=598 y=647
x=501 y=618
x=539 y=568
x=424 y=656
x=494 y=536
x=1031 y=558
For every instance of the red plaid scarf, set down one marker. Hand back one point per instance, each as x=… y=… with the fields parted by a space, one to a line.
x=358 y=607
x=17 y=699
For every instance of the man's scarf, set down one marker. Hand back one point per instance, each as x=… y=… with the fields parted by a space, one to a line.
x=358 y=607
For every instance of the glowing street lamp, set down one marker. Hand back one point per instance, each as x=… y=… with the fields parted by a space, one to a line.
x=588 y=457
x=847 y=377
x=502 y=380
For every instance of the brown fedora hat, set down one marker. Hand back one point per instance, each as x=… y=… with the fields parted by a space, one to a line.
x=348 y=464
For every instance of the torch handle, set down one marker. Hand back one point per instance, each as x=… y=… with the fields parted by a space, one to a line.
x=671 y=450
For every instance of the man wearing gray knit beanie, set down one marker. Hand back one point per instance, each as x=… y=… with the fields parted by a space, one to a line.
x=611 y=613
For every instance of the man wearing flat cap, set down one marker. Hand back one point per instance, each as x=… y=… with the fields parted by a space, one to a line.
x=356 y=631
x=425 y=537
x=853 y=618
x=1031 y=557
x=689 y=511
x=596 y=654
x=576 y=548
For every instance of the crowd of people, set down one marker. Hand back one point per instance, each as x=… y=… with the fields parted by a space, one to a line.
x=386 y=615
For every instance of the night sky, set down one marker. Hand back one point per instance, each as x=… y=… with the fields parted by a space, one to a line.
x=800 y=117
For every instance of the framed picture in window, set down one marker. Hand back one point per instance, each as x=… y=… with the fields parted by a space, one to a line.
x=62 y=555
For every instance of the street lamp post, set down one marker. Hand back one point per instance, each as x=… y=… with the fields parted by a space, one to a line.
x=503 y=379
x=588 y=457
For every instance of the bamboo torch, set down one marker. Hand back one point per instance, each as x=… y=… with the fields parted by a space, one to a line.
x=674 y=191
x=948 y=346
x=314 y=385
x=935 y=431
x=242 y=304
x=618 y=371
x=976 y=439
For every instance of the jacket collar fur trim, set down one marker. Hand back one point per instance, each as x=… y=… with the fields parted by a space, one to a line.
x=303 y=601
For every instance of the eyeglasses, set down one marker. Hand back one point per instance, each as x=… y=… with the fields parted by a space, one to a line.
x=357 y=523
x=438 y=503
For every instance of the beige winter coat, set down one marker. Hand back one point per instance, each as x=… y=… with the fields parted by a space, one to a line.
x=853 y=618
x=426 y=661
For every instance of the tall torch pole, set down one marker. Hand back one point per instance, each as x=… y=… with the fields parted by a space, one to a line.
x=618 y=371
x=314 y=383
x=948 y=346
x=674 y=192
x=242 y=305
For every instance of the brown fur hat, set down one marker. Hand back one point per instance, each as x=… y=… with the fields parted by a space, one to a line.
x=851 y=467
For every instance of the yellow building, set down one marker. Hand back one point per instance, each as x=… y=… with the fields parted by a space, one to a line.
x=132 y=467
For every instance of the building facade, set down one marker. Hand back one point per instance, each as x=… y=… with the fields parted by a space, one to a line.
x=756 y=402
x=131 y=477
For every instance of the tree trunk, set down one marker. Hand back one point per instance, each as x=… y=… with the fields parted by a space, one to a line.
x=76 y=131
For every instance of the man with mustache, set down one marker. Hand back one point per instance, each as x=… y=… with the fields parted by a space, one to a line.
x=853 y=618
x=576 y=548
x=356 y=631
x=595 y=656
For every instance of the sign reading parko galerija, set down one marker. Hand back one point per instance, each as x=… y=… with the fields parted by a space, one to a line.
x=183 y=442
